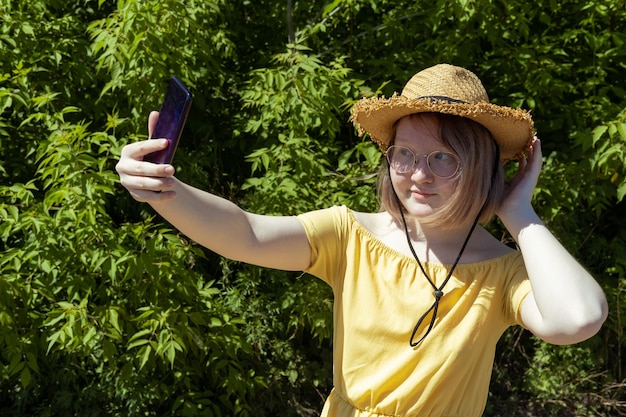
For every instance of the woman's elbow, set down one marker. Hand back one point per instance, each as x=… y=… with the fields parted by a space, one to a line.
x=581 y=326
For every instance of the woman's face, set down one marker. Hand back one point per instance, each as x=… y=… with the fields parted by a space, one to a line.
x=420 y=192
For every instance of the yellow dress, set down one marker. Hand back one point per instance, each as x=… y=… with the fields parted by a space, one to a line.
x=379 y=294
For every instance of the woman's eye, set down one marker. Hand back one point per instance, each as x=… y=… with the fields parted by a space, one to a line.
x=405 y=153
x=442 y=156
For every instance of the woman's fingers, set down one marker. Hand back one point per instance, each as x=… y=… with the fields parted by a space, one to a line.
x=152 y=120
x=144 y=180
x=147 y=188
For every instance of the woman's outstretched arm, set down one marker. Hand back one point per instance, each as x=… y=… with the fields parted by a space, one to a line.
x=214 y=222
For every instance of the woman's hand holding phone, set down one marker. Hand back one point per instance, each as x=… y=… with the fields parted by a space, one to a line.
x=145 y=168
x=146 y=181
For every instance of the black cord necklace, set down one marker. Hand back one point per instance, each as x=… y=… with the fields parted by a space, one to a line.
x=438 y=291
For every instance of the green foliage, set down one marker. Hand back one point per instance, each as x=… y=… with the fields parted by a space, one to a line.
x=605 y=146
x=297 y=110
x=105 y=310
x=564 y=378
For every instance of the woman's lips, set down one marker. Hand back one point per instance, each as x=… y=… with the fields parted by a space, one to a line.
x=421 y=194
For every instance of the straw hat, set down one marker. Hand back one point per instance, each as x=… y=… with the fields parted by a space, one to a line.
x=446 y=89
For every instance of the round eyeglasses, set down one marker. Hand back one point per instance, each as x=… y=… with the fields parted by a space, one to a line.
x=441 y=164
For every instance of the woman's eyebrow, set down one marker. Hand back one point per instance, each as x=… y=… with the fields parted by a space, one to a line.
x=408 y=143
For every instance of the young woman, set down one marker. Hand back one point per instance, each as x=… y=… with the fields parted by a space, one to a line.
x=422 y=291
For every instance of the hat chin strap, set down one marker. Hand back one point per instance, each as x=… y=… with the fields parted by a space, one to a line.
x=438 y=291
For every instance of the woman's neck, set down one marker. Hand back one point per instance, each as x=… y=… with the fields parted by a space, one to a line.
x=435 y=235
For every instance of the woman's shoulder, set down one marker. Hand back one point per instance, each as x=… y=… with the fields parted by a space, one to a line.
x=487 y=246
x=334 y=220
x=373 y=221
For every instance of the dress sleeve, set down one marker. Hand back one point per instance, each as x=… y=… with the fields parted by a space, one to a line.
x=518 y=288
x=324 y=229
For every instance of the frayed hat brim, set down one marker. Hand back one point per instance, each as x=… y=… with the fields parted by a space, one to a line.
x=512 y=129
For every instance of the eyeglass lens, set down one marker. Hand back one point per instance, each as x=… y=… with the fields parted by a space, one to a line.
x=441 y=164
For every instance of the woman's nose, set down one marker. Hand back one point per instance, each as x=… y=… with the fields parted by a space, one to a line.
x=421 y=171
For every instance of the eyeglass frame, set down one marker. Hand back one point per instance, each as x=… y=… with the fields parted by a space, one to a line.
x=416 y=155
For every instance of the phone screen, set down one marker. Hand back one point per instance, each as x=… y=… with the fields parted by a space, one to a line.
x=172 y=118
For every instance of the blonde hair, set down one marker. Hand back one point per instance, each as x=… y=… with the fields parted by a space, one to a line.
x=475 y=190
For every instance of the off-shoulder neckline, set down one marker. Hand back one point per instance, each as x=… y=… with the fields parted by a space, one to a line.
x=428 y=264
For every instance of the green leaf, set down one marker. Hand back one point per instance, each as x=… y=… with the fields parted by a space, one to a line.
x=140 y=334
x=138 y=342
x=25 y=377
x=91 y=333
x=144 y=355
x=53 y=338
x=597 y=134
x=621 y=191
x=621 y=128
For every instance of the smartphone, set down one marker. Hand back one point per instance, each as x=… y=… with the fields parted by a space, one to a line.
x=172 y=118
